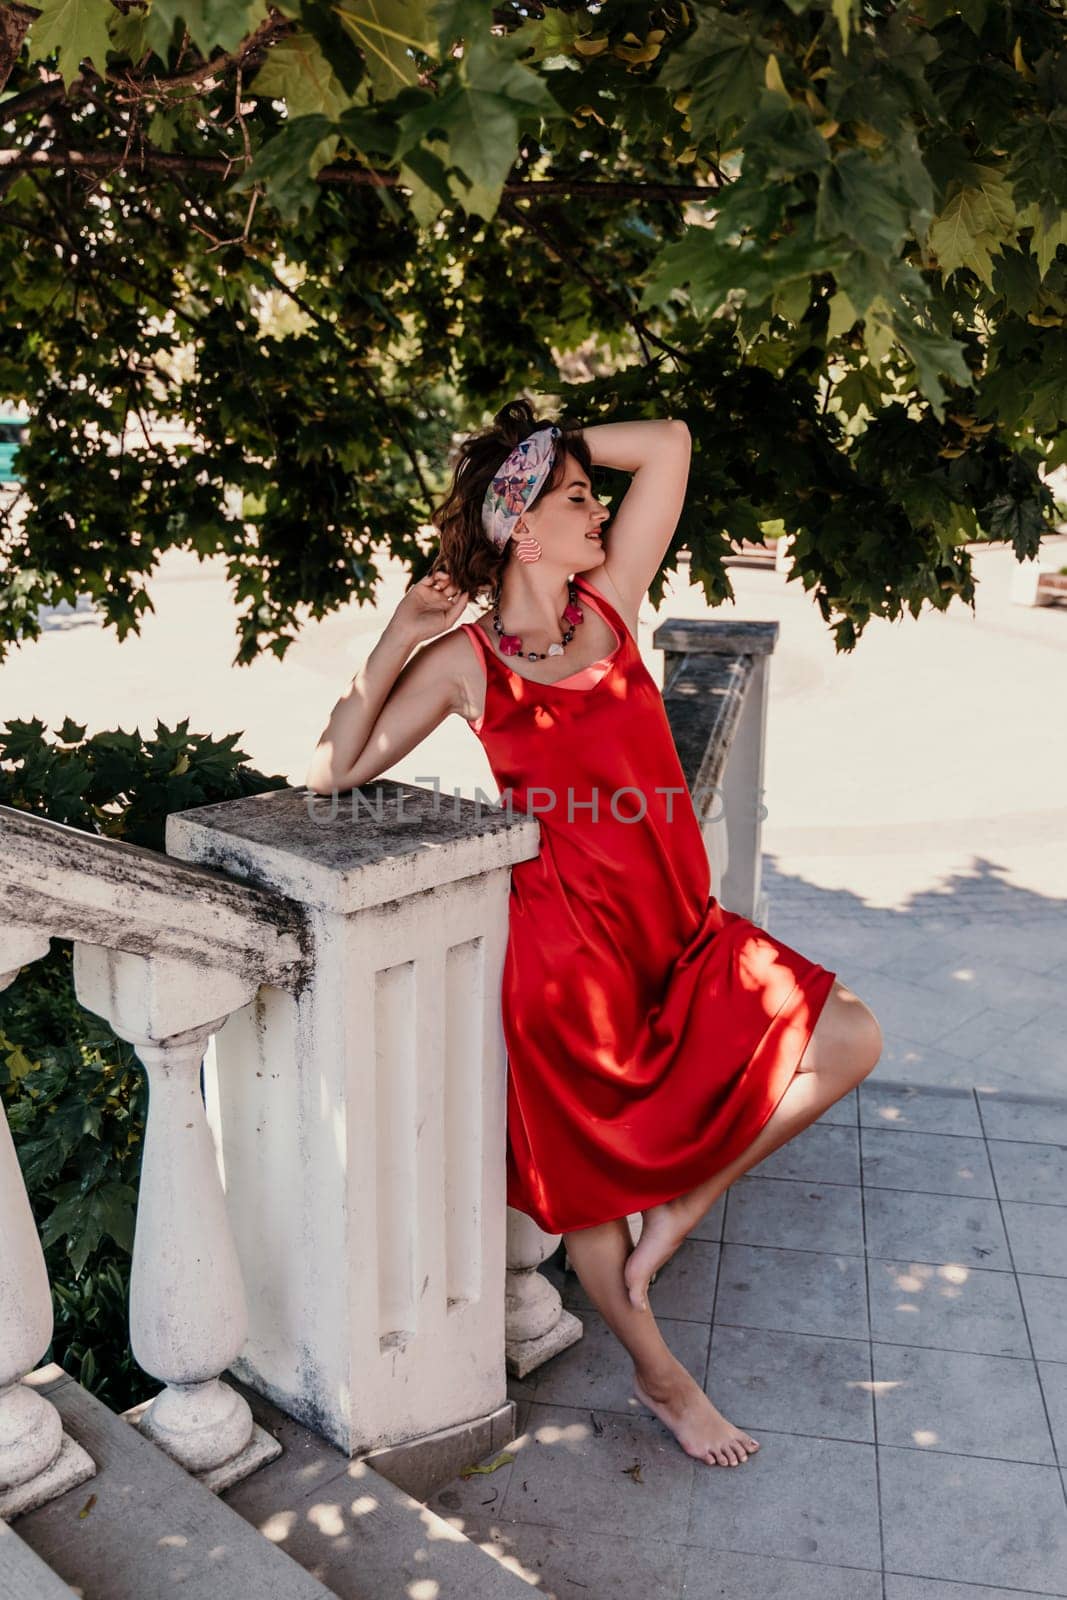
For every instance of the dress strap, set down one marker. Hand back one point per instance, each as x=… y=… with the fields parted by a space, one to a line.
x=600 y=603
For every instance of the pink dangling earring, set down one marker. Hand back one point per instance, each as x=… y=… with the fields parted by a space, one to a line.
x=527 y=549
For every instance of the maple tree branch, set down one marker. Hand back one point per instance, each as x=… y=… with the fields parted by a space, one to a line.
x=337 y=172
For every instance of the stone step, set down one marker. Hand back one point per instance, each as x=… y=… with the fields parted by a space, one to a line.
x=23 y=1575
x=143 y=1528
x=360 y=1533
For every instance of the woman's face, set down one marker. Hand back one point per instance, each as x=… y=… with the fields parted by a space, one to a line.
x=565 y=519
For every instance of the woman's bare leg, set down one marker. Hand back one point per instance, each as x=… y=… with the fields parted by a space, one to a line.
x=844 y=1046
x=598 y=1255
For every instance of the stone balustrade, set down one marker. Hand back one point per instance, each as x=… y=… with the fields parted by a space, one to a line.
x=164 y=952
x=327 y=1219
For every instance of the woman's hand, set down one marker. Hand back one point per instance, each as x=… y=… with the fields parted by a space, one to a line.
x=430 y=606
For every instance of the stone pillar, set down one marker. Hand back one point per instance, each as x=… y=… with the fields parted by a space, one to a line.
x=361 y=1122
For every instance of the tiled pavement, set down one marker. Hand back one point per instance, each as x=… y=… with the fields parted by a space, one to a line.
x=882 y=1303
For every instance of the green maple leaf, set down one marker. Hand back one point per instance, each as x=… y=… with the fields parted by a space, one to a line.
x=78 y=29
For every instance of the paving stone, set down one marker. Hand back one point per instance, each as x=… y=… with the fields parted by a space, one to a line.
x=822 y=1153
x=912 y=1011
x=715 y=1574
x=598 y=1371
x=931 y=1163
x=842 y=1111
x=1038 y=1237
x=977 y=1405
x=569 y=1564
x=935 y=1227
x=571 y=1476
x=943 y=1516
x=1033 y=1060
x=968 y=1039
x=913 y=1108
x=793 y=1291
x=1053 y=1375
x=709 y=1225
x=1041 y=1118
x=926 y=1065
x=1045 y=1303
x=795 y=1215
x=1028 y=1171
x=806 y=1499
x=685 y=1287
x=900 y=1588
x=792 y=1382
x=950 y=1306
x=1011 y=990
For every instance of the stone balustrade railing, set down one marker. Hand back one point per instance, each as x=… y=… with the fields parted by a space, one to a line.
x=164 y=952
x=327 y=1220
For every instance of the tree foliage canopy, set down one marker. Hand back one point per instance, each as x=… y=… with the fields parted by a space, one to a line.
x=324 y=237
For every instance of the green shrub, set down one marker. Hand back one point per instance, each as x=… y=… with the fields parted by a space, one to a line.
x=74 y=1092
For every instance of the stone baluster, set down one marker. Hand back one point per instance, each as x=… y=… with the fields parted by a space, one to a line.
x=188 y=1320
x=537 y=1326
x=37 y=1460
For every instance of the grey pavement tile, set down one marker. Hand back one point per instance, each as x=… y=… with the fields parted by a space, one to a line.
x=841 y=943
x=900 y=1588
x=794 y=1291
x=968 y=1039
x=926 y=1065
x=912 y=951
x=1027 y=1171
x=822 y=1152
x=1041 y=1118
x=915 y=1108
x=482 y=1494
x=685 y=1287
x=566 y=1564
x=598 y=1370
x=795 y=1215
x=709 y=1226
x=714 y=1574
x=935 y=1227
x=1053 y=1375
x=954 y=1307
x=1035 y=945
x=792 y=1382
x=1045 y=1302
x=1033 y=1060
x=951 y=1400
x=1038 y=1237
x=1011 y=990
x=576 y=1472
x=842 y=1112
x=803 y=1498
x=909 y=1009
x=930 y=1163
x=944 y=1516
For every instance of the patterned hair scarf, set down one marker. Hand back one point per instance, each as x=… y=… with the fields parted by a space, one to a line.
x=516 y=484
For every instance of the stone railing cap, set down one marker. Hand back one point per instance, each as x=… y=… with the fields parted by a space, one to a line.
x=362 y=847
x=705 y=636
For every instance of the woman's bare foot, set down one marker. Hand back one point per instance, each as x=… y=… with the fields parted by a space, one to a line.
x=700 y=1429
x=663 y=1229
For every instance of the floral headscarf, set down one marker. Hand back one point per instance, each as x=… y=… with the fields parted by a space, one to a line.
x=516 y=484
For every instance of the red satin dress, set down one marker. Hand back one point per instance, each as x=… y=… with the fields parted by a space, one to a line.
x=650 y=1033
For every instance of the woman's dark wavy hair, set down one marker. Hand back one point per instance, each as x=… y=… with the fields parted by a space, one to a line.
x=465 y=552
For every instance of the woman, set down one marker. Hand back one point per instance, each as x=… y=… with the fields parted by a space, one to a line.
x=658 y=1045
